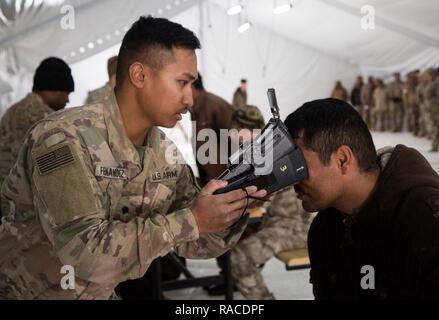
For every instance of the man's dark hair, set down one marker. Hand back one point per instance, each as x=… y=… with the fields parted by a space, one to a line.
x=150 y=41
x=327 y=124
x=243 y=80
x=198 y=83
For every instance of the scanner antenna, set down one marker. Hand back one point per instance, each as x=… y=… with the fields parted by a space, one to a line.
x=273 y=103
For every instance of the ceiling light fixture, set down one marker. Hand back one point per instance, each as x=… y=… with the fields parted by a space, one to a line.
x=244 y=27
x=282 y=8
x=234 y=10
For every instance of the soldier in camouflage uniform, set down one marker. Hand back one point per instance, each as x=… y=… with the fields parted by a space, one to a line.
x=96 y=188
x=395 y=102
x=240 y=95
x=52 y=85
x=99 y=94
x=284 y=227
x=411 y=103
x=432 y=102
x=425 y=122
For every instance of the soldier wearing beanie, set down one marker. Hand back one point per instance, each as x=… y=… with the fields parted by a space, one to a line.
x=52 y=85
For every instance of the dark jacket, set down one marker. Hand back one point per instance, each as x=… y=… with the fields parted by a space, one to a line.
x=213 y=112
x=396 y=232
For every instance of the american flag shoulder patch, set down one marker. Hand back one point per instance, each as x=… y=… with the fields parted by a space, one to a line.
x=54 y=159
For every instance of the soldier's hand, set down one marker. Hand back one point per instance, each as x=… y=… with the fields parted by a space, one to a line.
x=214 y=213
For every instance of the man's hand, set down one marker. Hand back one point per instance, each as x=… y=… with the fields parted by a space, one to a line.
x=215 y=213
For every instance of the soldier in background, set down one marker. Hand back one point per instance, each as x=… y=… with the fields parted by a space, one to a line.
x=356 y=96
x=240 y=95
x=425 y=122
x=381 y=117
x=284 y=227
x=432 y=101
x=411 y=102
x=396 y=104
x=368 y=101
x=210 y=112
x=52 y=84
x=99 y=94
x=339 y=92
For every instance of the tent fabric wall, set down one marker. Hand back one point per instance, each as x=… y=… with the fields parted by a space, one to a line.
x=36 y=33
x=300 y=53
x=297 y=72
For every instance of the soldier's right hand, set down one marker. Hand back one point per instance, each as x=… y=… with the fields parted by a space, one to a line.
x=215 y=213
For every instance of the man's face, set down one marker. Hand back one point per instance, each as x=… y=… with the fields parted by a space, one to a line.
x=57 y=100
x=168 y=92
x=244 y=86
x=322 y=187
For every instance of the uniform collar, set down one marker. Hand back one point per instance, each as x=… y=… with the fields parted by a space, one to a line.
x=121 y=146
x=37 y=98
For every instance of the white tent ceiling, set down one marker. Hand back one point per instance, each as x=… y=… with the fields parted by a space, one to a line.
x=301 y=52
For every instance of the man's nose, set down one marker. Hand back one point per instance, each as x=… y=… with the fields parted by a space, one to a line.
x=188 y=99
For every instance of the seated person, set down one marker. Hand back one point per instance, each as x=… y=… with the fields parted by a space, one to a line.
x=284 y=227
x=376 y=235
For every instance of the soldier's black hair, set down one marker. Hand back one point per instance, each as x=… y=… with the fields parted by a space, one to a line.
x=198 y=83
x=150 y=41
x=327 y=124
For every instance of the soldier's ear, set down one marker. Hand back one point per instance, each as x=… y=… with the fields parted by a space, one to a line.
x=137 y=74
x=344 y=158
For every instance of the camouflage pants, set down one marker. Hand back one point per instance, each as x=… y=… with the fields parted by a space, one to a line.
x=251 y=253
x=435 y=134
x=413 y=120
x=381 y=121
x=397 y=117
x=426 y=123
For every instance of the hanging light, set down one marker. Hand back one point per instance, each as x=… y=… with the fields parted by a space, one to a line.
x=282 y=8
x=234 y=10
x=244 y=27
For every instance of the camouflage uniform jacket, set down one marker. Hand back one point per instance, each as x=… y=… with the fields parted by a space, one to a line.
x=285 y=212
x=395 y=92
x=78 y=196
x=99 y=94
x=13 y=127
x=432 y=97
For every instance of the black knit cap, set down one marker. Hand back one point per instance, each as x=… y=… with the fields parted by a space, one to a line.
x=53 y=74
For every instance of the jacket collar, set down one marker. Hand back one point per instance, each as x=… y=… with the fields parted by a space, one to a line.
x=121 y=146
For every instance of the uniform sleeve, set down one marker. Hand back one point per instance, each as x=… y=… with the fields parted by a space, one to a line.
x=73 y=213
x=208 y=245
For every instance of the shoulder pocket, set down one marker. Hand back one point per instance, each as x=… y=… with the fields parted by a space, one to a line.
x=62 y=182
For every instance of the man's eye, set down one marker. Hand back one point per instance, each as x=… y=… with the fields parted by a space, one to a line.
x=183 y=82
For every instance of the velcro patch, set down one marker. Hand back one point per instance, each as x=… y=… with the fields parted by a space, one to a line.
x=54 y=159
x=165 y=175
x=111 y=172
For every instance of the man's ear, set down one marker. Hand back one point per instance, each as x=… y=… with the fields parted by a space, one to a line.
x=344 y=158
x=138 y=74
